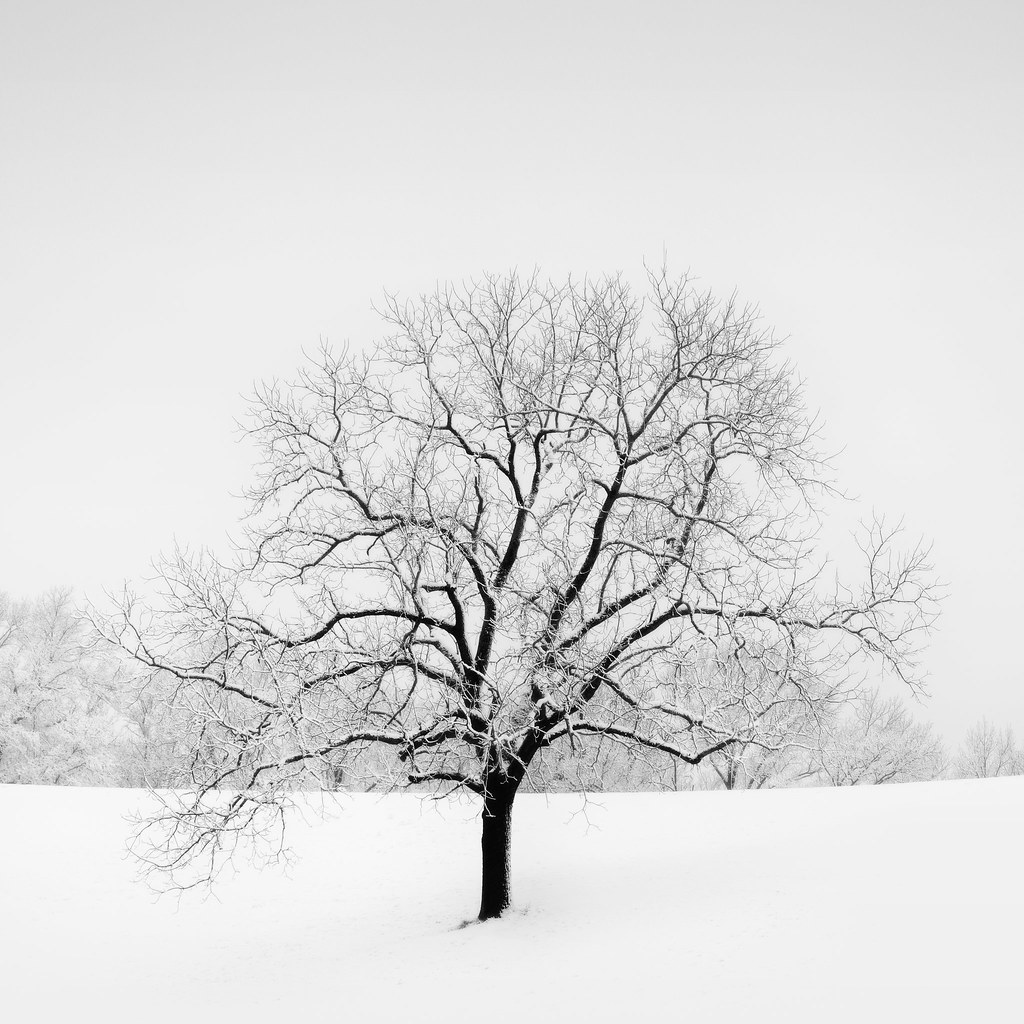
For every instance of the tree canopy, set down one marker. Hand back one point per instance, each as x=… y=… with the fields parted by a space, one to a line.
x=534 y=512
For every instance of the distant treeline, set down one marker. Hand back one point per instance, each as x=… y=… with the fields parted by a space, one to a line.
x=76 y=711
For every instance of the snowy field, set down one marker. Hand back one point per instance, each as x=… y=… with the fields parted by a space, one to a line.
x=898 y=903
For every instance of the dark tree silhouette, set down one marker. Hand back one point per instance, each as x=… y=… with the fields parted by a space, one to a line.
x=530 y=515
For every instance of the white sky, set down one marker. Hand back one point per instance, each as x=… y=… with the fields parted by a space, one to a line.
x=192 y=193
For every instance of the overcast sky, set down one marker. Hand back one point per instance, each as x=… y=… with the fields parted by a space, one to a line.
x=193 y=193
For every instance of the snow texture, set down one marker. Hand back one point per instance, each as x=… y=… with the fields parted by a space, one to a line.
x=893 y=903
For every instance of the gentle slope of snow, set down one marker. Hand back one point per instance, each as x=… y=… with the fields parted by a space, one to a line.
x=890 y=903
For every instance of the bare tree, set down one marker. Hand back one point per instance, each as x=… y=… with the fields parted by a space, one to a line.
x=988 y=752
x=154 y=743
x=787 y=730
x=877 y=741
x=59 y=722
x=755 y=766
x=525 y=518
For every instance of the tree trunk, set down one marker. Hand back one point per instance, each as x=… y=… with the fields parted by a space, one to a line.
x=495 y=845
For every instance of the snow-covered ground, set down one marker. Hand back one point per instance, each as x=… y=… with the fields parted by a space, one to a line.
x=899 y=903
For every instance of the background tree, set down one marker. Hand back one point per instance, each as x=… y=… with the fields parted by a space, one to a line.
x=774 y=754
x=753 y=766
x=59 y=716
x=154 y=745
x=988 y=752
x=876 y=741
x=529 y=516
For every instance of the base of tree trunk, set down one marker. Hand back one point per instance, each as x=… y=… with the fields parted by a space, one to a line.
x=495 y=846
